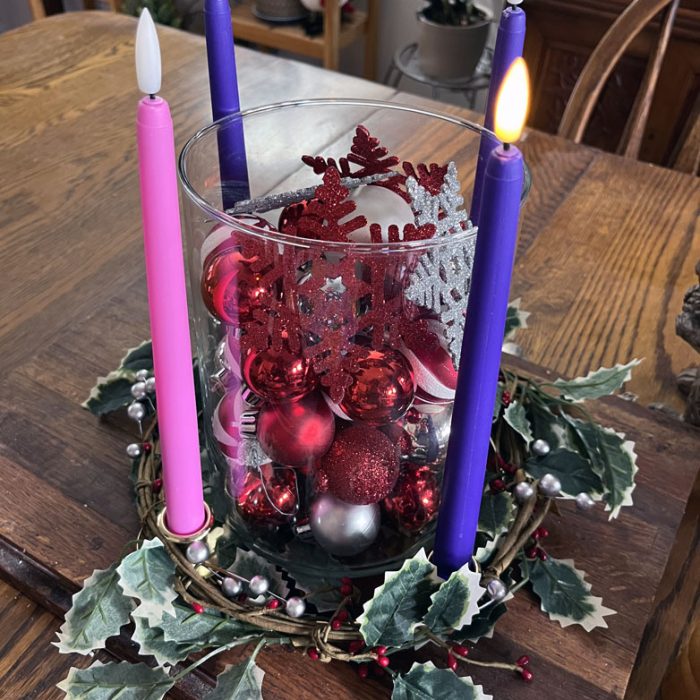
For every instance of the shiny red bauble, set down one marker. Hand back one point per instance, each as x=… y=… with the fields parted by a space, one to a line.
x=415 y=499
x=382 y=387
x=269 y=497
x=278 y=375
x=362 y=465
x=296 y=433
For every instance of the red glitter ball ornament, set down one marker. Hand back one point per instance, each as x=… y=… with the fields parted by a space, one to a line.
x=382 y=387
x=362 y=465
x=415 y=500
x=269 y=497
x=278 y=375
x=231 y=290
x=296 y=433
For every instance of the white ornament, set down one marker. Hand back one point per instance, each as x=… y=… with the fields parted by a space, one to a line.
x=133 y=450
x=550 y=486
x=142 y=375
x=496 y=589
x=138 y=390
x=136 y=411
x=378 y=205
x=197 y=552
x=295 y=607
x=342 y=528
x=231 y=586
x=584 y=501
x=259 y=585
x=540 y=448
x=151 y=385
x=523 y=491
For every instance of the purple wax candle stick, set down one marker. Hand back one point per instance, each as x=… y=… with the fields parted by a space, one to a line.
x=479 y=365
x=509 y=46
x=223 y=87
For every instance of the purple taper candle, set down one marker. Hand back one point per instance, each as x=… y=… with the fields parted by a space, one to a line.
x=467 y=452
x=509 y=46
x=223 y=88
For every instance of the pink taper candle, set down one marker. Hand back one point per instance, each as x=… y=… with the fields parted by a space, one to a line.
x=167 y=296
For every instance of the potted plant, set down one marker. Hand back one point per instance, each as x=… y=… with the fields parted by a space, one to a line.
x=452 y=37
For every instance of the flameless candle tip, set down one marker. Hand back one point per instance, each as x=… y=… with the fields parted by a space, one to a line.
x=512 y=103
x=147 y=55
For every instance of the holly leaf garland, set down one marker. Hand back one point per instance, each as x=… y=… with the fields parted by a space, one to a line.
x=496 y=513
x=482 y=624
x=601 y=382
x=399 y=604
x=573 y=471
x=105 y=681
x=565 y=594
x=148 y=574
x=152 y=642
x=98 y=611
x=516 y=417
x=424 y=681
x=114 y=391
x=456 y=602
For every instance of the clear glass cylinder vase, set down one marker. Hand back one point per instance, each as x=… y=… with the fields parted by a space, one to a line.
x=327 y=347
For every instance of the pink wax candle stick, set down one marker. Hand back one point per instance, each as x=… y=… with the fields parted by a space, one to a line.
x=167 y=295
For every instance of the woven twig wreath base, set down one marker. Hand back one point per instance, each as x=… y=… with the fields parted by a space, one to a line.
x=309 y=631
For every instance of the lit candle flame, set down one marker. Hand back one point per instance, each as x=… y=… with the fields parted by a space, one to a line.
x=512 y=102
x=147 y=54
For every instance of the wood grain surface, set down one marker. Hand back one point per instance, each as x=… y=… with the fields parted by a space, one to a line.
x=606 y=249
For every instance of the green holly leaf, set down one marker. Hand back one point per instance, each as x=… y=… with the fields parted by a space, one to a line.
x=240 y=682
x=516 y=417
x=601 y=382
x=515 y=318
x=399 y=604
x=114 y=391
x=97 y=612
x=424 y=682
x=496 y=513
x=152 y=643
x=613 y=460
x=545 y=425
x=565 y=594
x=482 y=624
x=575 y=473
x=208 y=628
x=456 y=602
x=106 y=681
x=149 y=575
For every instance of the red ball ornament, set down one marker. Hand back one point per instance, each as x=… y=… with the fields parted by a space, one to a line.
x=415 y=500
x=278 y=375
x=382 y=388
x=269 y=497
x=296 y=433
x=362 y=465
x=230 y=289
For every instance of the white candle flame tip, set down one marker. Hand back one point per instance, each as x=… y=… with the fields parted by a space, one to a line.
x=147 y=54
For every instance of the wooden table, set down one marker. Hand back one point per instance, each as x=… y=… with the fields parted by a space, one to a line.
x=606 y=249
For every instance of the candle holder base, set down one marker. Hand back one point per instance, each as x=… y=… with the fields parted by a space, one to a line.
x=185 y=539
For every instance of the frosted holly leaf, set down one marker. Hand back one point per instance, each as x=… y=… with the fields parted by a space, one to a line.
x=424 y=681
x=240 y=682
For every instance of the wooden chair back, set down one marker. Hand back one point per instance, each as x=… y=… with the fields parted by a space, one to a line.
x=599 y=67
x=37 y=9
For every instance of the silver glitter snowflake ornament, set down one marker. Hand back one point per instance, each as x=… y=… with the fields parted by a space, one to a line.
x=442 y=278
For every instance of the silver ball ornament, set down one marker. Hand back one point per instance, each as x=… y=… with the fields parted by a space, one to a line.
x=136 y=411
x=231 y=586
x=295 y=607
x=550 y=486
x=259 y=585
x=496 y=589
x=150 y=385
x=523 y=491
x=133 y=450
x=540 y=448
x=584 y=501
x=142 y=375
x=342 y=528
x=197 y=552
x=138 y=390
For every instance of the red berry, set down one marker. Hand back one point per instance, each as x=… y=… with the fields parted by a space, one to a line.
x=542 y=554
x=497 y=485
x=156 y=485
x=383 y=661
x=346 y=580
x=381 y=650
x=147 y=447
x=524 y=660
x=363 y=671
x=509 y=468
x=526 y=675
x=540 y=533
x=336 y=624
x=355 y=646
x=342 y=615
x=460 y=649
x=346 y=589
x=531 y=552
x=451 y=661
x=273 y=604
x=198 y=608
x=506 y=398
x=313 y=654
